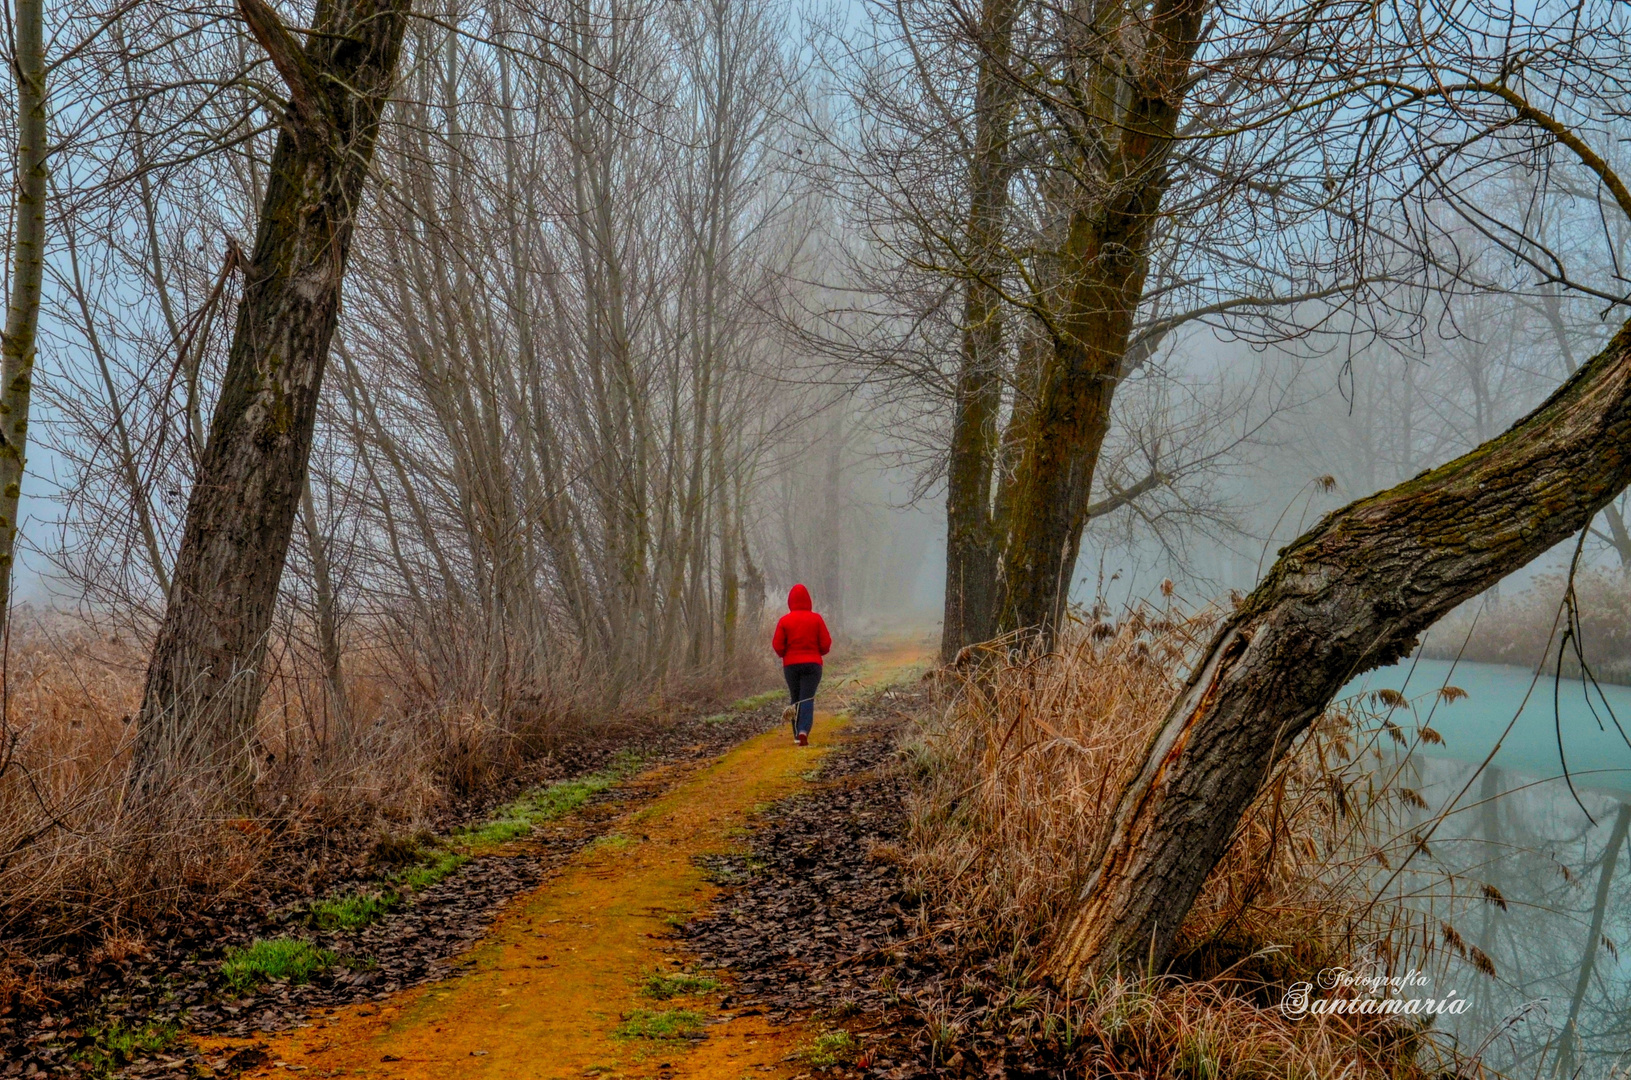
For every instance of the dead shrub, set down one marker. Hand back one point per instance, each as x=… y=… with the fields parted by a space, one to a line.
x=431 y=716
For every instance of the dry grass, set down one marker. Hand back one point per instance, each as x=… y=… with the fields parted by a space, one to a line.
x=79 y=869
x=1019 y=766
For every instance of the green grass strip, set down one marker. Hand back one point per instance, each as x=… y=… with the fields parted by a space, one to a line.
x=547 y=803
x=353 y=911
x=274 y=959
x=430 y=864
x=114 y=1045
x=830 y=1048
x=437 y=864
x=664 y=985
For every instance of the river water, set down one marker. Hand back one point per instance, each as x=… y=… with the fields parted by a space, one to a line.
x=1559 y=935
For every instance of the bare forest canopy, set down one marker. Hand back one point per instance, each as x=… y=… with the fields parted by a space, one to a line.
x=649 y=304
x=559 y=419
x=543 y=346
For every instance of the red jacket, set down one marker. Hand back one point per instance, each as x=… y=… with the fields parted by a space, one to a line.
x=801 y=635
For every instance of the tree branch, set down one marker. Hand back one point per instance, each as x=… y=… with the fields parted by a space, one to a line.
x=1555 y=128
x=301 y=76
x=1122 y=496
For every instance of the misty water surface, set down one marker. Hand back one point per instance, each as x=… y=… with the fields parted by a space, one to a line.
x=1560 y=1001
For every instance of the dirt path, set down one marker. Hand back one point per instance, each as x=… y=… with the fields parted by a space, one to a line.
x=556 y=988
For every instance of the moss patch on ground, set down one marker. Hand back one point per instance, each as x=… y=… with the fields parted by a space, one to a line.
x=115 y=1044
x=663 y=985
x=668 y=1024
x=830 y=1048
x=353 y=911
x=438 y=864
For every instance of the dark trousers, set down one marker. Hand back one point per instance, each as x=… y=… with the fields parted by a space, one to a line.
x=802 y=680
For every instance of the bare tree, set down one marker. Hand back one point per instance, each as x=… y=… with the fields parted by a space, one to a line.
x=1118 y=177
x=204 y=681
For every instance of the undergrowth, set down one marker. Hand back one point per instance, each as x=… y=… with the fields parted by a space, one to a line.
x=426 y=725
x=421 y=862
x=353 y=911
x=830 y=1048
x=112 y=1045
x=663 y=985
x=1016 y=768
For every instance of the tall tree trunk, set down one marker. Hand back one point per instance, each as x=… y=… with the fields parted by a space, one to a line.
x=730 y=583
x=1102 y=263
x=27 y=270
x=971 y=533
x=204 y=679
x=753 y=588
x=1348 y=596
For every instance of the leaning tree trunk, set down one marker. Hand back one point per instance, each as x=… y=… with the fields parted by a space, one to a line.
x=1350 y=595
x=28 y=268
x=204 y=679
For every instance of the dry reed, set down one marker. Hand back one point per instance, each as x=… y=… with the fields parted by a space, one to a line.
x=1018 y=766
x=80 y=869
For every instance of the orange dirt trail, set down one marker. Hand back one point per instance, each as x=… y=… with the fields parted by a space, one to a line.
x=542 y=995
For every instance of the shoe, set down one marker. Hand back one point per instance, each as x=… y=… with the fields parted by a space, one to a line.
x=804 y=740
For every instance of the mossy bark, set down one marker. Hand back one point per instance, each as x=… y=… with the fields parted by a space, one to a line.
x=204 y=679
x=1016 y=506
x=1350 y=595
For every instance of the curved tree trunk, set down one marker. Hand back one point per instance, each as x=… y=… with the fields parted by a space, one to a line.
x=204 y=679
x=1350 y=595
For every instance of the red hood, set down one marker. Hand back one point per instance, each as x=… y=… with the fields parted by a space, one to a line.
x=798 y=598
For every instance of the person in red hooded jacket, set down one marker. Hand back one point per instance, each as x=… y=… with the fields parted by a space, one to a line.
x=801 y=640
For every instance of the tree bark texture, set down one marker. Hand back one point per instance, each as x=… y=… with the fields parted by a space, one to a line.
x=971 y=532
x=1011 y=552
x=204 y=680
x=1350 y=595
x=27 y=269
